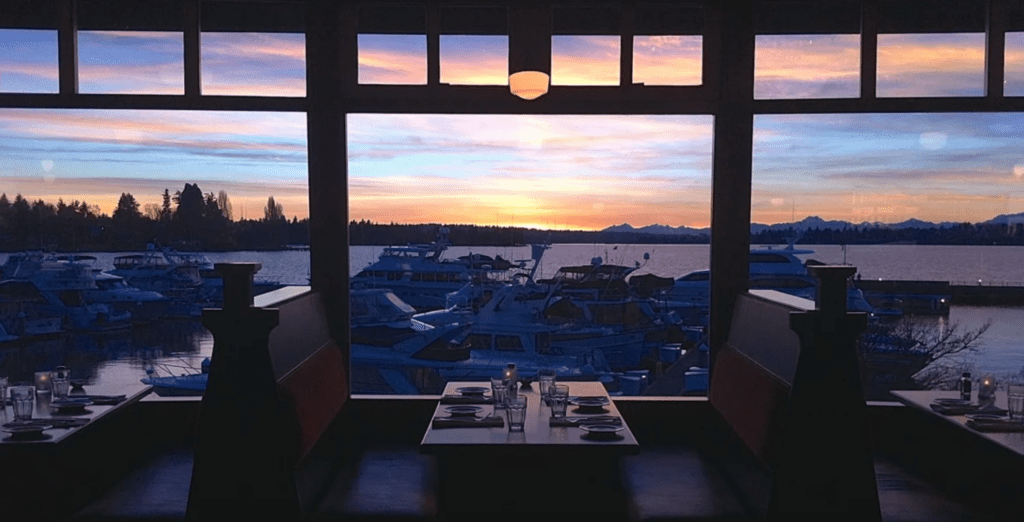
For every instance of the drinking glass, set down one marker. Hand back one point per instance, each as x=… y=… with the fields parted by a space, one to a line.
x=1015 y=402
x=60 y=383
x=23 y=400
x=515 y=409
x=559 y=400
x=499 y=392
x=3 y=391
x=546 y=377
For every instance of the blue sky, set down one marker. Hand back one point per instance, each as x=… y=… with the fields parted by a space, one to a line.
x=545 y=171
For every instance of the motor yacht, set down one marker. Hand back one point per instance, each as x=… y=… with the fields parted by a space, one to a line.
x=420 y=276
x=64 y=284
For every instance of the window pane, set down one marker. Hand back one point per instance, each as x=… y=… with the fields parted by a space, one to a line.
x=474 y=60
x=134 y=62
x=510 y=181
x=807 y=66
x=95 y=182
x=905 y=197
x=584 y=60
x=28 y=61
x=667 y=60
x=951 y=64
x=254 y=64
x=1014 y=81
x=392 y=59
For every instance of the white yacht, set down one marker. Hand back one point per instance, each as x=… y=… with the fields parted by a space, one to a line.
x=64 y=283
x=421 y=277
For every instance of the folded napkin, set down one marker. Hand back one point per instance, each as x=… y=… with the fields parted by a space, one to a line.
x=996 y=425
x=102 y=399
x=962 y=409
x=576 y=421
x=467 y=422
x=55 y=423
x=465 y=399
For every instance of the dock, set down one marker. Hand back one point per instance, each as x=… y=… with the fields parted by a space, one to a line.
x=935 y=297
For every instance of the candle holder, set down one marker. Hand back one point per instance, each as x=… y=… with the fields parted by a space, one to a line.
x=42 y=381
x=986 y=391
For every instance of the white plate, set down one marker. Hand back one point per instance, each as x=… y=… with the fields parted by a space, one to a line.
x=70 y=404
x=463 y=410
x=986 y=417
x=590 y=402
x=24 y=430
x=601 y=431
x=473 y=390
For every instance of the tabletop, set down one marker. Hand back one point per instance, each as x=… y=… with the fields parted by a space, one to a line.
x=91 y=414
x=920 y=399
x=536 y=431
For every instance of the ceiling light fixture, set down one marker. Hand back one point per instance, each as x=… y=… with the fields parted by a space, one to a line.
x=529 y=51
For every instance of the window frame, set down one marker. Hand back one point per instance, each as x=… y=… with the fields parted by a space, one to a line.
x=332 y=92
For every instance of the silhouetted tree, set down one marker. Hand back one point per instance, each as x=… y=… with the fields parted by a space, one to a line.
x=225 y=205
x=273 y=211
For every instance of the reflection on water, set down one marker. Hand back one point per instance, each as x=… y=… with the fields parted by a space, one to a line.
x=111 y=358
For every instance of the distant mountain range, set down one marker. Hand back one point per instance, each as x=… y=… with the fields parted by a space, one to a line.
x=812 y=222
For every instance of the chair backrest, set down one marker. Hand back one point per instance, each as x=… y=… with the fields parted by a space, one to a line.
x=310 y=368
x=750 y=389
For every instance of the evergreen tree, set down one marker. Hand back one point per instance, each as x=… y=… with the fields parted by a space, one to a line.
x=225 y=205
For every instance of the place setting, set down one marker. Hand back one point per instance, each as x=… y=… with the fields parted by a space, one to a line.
x=71 y=406
x=590 y=405
x=1012 y=421
x=466 y=416
x=468 y=395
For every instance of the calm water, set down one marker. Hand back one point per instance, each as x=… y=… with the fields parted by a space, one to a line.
x=175 y=345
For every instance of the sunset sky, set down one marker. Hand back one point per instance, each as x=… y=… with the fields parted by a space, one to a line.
x=581 y=172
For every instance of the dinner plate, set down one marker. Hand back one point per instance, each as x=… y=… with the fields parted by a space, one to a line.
x=24 y=431
x=602 y=431
x=472 y=390
x=953 y=402
x=70 y=405
x=590 y=402
x=985 y=417
x=463 y=410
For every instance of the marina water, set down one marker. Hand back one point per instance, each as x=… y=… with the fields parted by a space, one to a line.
x=179 y=345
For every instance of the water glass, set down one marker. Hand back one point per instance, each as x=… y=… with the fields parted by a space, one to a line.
x=3 y=391
x=23 y=401
x=559 y=400
x=60 y=383
x=546 y=377
x=499 y=392
x=1015 y=401
x=515 y=409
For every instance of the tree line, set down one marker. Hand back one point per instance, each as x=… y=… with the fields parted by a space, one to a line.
x=188 y=219
x=193 y=220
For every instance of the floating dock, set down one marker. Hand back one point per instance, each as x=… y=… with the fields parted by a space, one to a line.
x=935 y=297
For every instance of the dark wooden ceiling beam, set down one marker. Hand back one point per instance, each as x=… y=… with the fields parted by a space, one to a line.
x=67 y=47
x=995 y=48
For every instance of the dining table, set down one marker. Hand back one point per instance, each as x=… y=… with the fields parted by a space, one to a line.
x=49 y=473
x=553 y=466
x=922 y=400
x=979 y=463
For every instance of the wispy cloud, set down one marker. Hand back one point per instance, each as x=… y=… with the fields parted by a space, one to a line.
x=667 y=60
x=585 y=60
x=392 y=59
x=254 y=64
x=140 y=62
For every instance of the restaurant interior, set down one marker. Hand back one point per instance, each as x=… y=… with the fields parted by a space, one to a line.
x=297 y=444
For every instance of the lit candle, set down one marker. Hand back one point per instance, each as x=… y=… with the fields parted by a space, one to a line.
x=42 y=381
x=986 y=390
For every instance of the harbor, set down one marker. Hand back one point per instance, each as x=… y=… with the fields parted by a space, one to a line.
x=669 y=361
